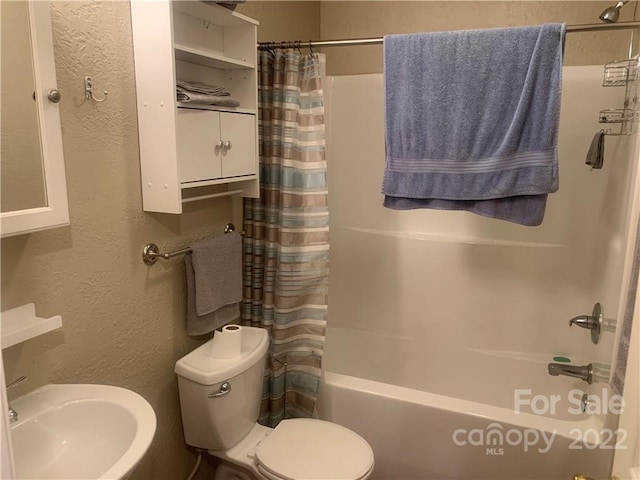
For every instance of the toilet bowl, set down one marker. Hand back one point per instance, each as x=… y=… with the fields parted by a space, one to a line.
x=298 y=449
x=220 y=402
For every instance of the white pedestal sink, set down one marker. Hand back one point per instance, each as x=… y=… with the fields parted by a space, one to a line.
x=80 y=432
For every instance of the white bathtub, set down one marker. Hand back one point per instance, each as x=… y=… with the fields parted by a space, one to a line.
x=423 y=436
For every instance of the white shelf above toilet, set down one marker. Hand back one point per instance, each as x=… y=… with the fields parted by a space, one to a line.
x=21 y=323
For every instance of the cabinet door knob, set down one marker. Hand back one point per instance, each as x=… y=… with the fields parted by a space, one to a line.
x=226 y=145
x=53 y=95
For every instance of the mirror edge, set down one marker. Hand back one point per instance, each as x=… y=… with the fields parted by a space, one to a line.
x=56 y=213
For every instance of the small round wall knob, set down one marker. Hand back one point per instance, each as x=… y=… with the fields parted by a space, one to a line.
x=226 y=144
x=54 y=95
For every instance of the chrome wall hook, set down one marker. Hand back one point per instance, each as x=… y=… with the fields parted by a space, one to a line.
x=88 y=91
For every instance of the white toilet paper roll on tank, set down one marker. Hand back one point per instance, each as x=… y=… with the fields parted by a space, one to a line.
x=226 y=344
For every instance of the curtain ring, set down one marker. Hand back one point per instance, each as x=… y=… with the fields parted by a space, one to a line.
x=310 y=47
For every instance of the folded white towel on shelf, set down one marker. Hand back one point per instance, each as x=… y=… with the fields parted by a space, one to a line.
x=204 y=94
x=205 y=99
x=199 y=87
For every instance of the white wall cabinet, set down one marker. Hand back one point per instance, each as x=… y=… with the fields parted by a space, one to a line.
x=213 y=145
x=185 y=149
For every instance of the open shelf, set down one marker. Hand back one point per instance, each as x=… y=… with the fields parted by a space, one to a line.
x=217 y=108
x=217 y=181
x=209 y=59
x=21 y=323
x=214 y=13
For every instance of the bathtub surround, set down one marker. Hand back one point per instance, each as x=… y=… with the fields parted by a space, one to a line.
x=420 y=333
x=287 y=233
x=471 y=121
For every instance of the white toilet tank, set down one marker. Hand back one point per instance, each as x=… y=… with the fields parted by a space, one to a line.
x=211 y=418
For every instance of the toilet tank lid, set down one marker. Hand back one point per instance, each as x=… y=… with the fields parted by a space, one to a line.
x=199 y=367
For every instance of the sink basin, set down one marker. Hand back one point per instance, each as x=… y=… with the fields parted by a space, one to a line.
x=80 y=432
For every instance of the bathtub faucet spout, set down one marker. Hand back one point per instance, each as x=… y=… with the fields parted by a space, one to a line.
x=582 y=372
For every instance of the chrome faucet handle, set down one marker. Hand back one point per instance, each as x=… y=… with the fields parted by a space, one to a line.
x=591 y=322
x=585 y=321
x=13 y=416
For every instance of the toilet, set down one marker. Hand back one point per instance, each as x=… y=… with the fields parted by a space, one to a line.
x=220 y=404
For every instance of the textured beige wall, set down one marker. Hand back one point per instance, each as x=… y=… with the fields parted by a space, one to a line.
x=284 y=20
x=358 y=19
x=123 y=322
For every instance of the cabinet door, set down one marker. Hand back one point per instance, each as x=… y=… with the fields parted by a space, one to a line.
x=239 y=155
x=199 y=153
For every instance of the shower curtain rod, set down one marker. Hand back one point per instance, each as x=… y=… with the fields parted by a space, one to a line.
x=588 y=27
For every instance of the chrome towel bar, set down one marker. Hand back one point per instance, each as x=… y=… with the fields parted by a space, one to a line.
x=151 y=252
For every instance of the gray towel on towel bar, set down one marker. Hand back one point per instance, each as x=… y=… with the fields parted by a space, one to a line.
x=471 y=120
x=202 y=324
x=214 y=283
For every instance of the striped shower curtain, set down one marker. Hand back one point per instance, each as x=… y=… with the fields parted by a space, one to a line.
x=286 y=243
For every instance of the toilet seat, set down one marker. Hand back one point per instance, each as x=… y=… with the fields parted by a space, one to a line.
x=305 y=448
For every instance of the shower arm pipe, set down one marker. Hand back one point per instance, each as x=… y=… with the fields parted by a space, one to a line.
x=353 y=42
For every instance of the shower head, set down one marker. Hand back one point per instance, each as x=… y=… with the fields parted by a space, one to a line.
x=612 y=14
